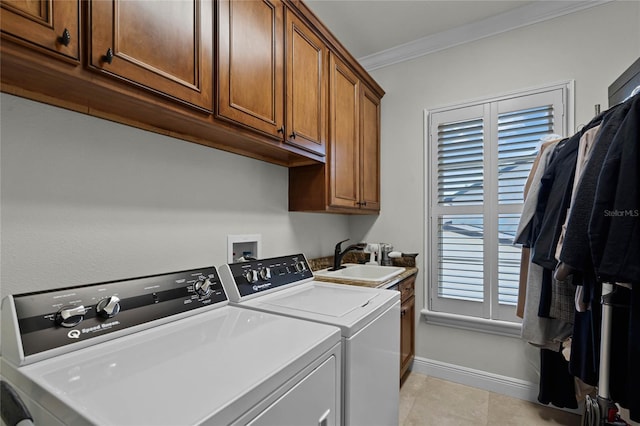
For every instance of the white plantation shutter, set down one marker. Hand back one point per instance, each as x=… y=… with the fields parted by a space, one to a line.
x=460 y=162
x=461 y=254
x=480 y=158
x=519 y=134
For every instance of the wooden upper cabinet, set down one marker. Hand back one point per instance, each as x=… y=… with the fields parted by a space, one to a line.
x=344 y=128
x=349 y=182
x=163 y=46
x=370 y=147
x=250 y=64
x=51 y=26
x=281 y=87
x=306 y=87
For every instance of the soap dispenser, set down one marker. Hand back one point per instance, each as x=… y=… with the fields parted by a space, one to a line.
x=385 y=249
x=373 y=249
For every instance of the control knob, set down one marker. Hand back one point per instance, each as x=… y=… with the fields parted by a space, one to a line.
x=203 y=287
x=70 y=316
x=251 y=276
x=265 y=273
x=301 y=267
x=108 y=307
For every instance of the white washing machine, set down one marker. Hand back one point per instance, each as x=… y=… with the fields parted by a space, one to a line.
x=369 y=320
x=166 y=350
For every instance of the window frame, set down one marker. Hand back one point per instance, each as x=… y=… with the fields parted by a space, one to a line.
x=458 y=313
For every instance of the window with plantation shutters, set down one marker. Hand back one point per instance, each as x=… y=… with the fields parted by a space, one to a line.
x=479 y=158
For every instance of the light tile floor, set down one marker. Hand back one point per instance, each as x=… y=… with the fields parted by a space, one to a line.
x=426 y=401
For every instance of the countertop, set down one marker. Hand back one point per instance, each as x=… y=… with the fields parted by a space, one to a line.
x=325 y=262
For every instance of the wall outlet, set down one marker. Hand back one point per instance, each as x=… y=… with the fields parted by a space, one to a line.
x=239 y=246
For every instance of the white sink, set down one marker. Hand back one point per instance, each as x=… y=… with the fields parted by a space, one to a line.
x=353 y=271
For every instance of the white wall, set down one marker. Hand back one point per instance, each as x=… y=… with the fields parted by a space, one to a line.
x=86 y=200
x=592 y=47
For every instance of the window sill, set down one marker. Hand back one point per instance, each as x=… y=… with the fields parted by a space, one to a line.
x=502 y=328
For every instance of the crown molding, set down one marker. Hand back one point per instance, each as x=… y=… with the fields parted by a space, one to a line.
x=532 y=13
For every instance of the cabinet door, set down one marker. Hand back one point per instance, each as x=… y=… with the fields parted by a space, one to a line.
x=407 y=337
x=164 y=46
x=306 y=87
x=250 y=64
x=370 y=155
x=344 y=129
x=50 y=25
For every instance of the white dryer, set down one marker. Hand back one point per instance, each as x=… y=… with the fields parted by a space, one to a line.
x=166 y=350
x=369 y=320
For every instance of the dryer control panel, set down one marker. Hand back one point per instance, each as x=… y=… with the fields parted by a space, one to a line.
x=58 y=318
x=245 y=279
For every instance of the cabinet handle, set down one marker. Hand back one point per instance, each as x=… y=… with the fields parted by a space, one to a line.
x=364 y=203
x=293 y=135
x=65 y=38
x=281 y=129
x=108 y=58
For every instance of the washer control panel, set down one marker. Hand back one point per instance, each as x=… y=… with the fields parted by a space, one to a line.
x=244 y=279
x=52 y=319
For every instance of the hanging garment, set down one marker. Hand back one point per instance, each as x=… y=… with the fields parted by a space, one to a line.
x=525 y=257
x=558 y=387
x=565 y=296
x=584 y=152
x=525 y=226
x=585 y=347
x=531 y=189
x=555 y=195
x=541 y=332
x=575 y=248
x=614 y=227
x=555 y=198
x=562 y=299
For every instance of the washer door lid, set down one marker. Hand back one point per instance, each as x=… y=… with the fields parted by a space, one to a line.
x=335 y=302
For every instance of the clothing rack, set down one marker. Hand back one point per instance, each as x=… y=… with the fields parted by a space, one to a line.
x=602 y=410
x=581 y=240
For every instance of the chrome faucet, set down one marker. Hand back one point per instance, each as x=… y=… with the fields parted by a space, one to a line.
x=339 y=253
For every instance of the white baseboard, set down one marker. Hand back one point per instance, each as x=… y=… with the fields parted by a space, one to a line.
x=504 y=385
x=497 y=383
